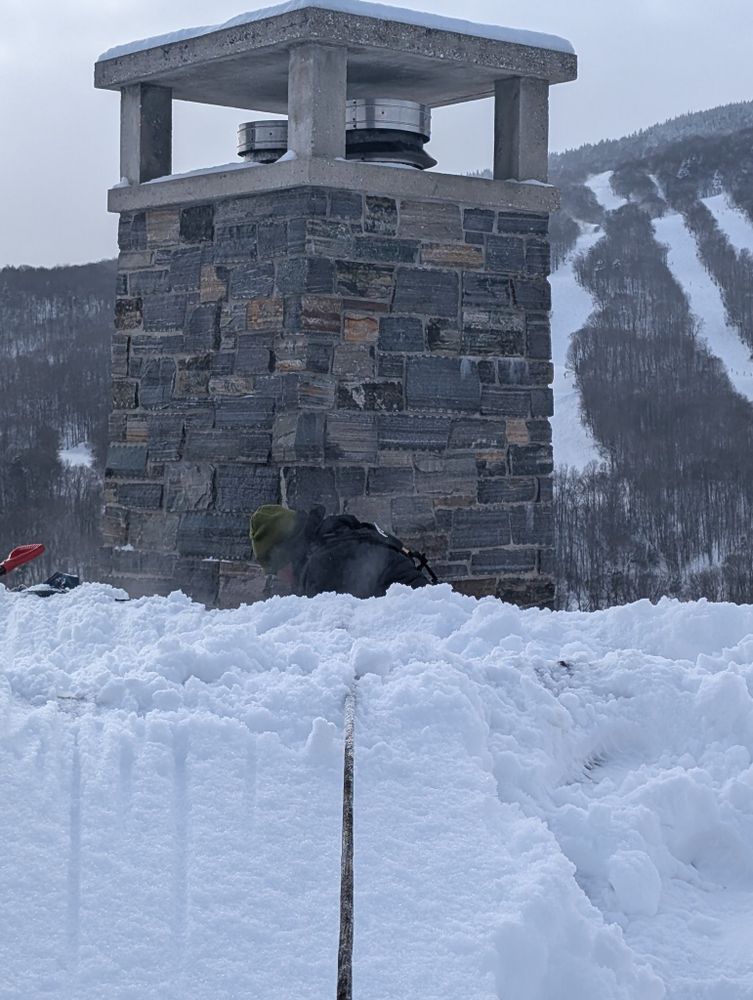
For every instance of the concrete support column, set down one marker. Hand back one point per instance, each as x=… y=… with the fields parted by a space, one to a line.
x=521 y=129
x=146 y=132
x=317 y=84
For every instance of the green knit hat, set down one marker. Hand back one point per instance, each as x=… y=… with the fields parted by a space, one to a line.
x=271 y=527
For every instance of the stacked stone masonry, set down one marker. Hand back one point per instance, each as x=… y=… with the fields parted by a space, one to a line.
x=385 y=358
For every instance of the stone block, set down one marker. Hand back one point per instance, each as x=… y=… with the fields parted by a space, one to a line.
x=254 y=355
x=531 y=460
x=162 y=226
x=214 y=535
x=142 y=283
x=246 y=411
x=479 y=529
x=355 y=361
x=380 y=216
x=532 y=524
x=346 y=205
x=477 y=434
x=272 y=239
x=264 y=314
x=430 y=220
x=506 y=253
x=462 y=255
x=503 y=402
x=381 y=397
x=385 y=249
x=443 y=336
x=522 y=222
x=124 y=394
x=513 y=489
x=192 y=378
x=350 y=481
x=148 y=495
x=212 y=283
x=132 y=231
x=442 y=384
x=197 y=224
x=542 y=403
x=246 y=487
x=514 y=371
x=529 y=293
x=304 y=275
x=252 y=280
x=401 y=333
x=526 y=592
x=239 y=242
x=202 y=329
x=227 y=445
x=391 y=481
x=538 y=337
x=360 y=328
x=447 y=477
x=165 y=312
x=319 y=314
x=479 y=220
x=391 y=366
x=307 y=487
x=413 y=517
x=364 y=280
x=316 y=392
x=351 y=437
x=157 y=382
x=486 y=291
x=165 y=436
x=546 y=489
x=114 y=525
x=328 y=238
x=504 y=560
x=298 y=437
x=126 y=460
x=493 y=340
x=538 y=258
x=240 y=584
x=416 y=433
x=153 y=530
x=517 y=431
x=426 y=292
x=129 y=313
x=185 y=269
x=189 y=487
x=116 y=426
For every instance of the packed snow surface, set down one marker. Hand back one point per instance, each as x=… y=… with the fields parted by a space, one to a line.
x=547 y=806
x=77 y=455
x=403 y=15
x=733 y=222
x=601 y=185
x=571 y=306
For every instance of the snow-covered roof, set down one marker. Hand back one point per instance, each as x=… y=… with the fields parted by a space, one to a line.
x=405 y=54
x=403 y=15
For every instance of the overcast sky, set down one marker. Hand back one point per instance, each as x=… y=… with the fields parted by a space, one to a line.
x=641 y=61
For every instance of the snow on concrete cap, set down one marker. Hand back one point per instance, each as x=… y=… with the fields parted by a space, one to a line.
x=410 y=49
x=419 y=18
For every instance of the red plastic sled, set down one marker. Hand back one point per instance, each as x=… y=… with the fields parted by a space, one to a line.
x=20 y=555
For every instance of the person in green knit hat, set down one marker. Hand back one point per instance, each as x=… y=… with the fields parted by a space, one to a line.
x=314 y=554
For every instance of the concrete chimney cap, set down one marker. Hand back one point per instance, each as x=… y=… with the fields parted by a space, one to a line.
x=392 y=52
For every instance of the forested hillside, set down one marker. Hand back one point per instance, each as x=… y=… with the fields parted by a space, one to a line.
x=54 y=395
x=662 y=242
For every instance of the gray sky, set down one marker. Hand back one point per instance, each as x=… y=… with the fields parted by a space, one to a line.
x=641 y=61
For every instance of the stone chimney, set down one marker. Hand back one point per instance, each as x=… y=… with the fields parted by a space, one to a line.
x=326 y=330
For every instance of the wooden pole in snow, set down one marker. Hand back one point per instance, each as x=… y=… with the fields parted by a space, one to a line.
x=345 y=953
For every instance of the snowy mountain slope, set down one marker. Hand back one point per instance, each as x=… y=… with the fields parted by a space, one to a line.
x=735 y=225
x=691 y=275
x=547 y=806
x=571 y=306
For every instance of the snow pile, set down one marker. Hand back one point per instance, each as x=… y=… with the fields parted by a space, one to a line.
x=422 y=19
x=547 y=806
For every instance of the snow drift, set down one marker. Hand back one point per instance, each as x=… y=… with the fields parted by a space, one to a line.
x=548 y=805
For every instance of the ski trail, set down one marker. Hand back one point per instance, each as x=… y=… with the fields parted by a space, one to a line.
x=180 y=849
x=601 y=185
x=704 y=299
x=73 y=921
x=732 y=221
x=571 y=306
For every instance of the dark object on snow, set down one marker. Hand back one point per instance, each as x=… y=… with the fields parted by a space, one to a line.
x=337 y=554
x=58 y=583
x=20 y=555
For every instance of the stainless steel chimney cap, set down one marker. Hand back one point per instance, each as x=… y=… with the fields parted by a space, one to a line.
x=388 y=113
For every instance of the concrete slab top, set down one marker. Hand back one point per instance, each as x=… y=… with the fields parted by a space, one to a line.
x=391 y=53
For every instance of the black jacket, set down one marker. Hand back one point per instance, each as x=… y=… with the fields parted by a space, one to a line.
x=343 y=555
